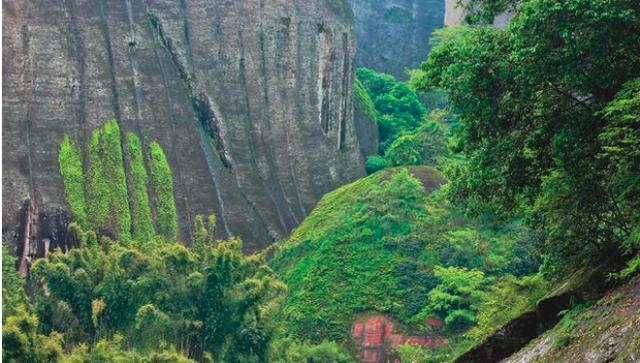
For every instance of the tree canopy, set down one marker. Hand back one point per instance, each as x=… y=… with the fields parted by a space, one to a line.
x=540 y=121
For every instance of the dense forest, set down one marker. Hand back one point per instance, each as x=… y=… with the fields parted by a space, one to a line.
x=508 y=163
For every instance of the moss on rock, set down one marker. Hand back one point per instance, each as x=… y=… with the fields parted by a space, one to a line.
x=140 y=208
x=162 y=186
x=72 y=172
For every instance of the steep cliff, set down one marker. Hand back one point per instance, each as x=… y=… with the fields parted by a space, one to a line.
x=394 y=34
x=454 y=14
x=251 y=100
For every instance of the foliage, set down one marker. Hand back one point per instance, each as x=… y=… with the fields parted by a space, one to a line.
x=621 y=150
x=412 y=353
x=408 y=136
x=205 y=234
x=529 y=100
x=22 y=343
x=140 y=208
x=456 y=297
x=212 y=302
x=107 y=194
x=375 y=244
x=12 y=284
x=288 y=350
x=396 y=105
x=97 y=188
x=506 y=299
x=426 y=145
x=72 y=172
x=375 y=163
x=162 y=185
x=405 y=150
x=112 y=162
x=485 y=11
x=363 y=102
x=115 y=203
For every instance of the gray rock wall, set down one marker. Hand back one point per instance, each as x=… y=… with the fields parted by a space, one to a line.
x=251 y=100
x=394 y=34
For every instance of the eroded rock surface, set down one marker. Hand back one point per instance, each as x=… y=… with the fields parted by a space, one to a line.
x=394 y=34
x=582 y=287
x=608 y=331
x=251 y=100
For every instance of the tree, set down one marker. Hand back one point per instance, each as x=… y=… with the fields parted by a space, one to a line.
x=529 y=101
x=12 y=284
x=457 y=296
x=22 y=343
x=375 y=163
x=397 y=106
x=210 y=301
x=405 y=150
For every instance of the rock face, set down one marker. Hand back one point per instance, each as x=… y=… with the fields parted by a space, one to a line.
x=583 y=286
x=607 y=331
x=394 y=34
x=251 y=100
x=453 y=14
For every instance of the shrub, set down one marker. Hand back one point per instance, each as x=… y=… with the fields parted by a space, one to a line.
x=375 y=163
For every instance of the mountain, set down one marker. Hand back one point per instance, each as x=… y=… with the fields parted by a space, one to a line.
x=394 y=34
x=251 y=101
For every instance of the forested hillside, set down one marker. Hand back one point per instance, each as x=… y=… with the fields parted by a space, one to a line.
x=499 y=219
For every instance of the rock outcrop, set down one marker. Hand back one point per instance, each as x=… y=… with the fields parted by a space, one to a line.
x=251 y=100
x=394 y=34
x=607 y=331
x=582 y=287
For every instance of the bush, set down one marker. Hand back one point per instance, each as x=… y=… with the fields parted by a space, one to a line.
x=375 y=163
x=405 y=150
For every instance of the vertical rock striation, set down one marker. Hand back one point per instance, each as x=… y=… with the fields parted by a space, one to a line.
x=394 y=34
x=251 y=100
x=454 y=13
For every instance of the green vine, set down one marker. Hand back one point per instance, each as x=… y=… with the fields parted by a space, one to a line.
x=162 y=186
x=140 y=208
x=70 y=162
x=110 y=201
x=96 y=187
x=113 y=164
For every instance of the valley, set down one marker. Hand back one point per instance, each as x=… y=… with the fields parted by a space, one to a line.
x=321 y=181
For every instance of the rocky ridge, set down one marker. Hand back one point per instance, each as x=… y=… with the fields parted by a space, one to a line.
x=251 y=100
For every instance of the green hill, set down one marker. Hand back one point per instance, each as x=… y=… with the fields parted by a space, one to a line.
x=386 y=244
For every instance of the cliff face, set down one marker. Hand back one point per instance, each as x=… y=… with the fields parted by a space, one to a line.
x=251 y=100
x=584 y=319
x=607 y=331
x=394 y=34
x=453 y=14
